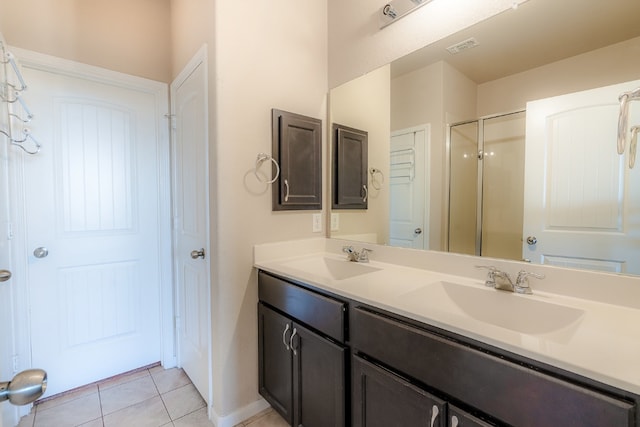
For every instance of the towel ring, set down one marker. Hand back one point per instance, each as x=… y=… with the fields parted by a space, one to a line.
x=374 y=183
x=262 y=157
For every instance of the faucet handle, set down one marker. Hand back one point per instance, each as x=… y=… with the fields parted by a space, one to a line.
x=522 y=282
x=364 y=255
x=491 y=275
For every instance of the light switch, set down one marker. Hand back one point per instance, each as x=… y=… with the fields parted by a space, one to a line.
x=317 y=223
x=335 y=222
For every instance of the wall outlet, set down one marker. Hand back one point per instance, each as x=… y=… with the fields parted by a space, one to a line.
x=317 y=223
x=335 y=222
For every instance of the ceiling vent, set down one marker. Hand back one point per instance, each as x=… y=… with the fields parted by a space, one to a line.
x=463 y=45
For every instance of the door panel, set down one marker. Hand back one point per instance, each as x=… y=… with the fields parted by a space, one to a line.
x=409 y=223
x=580 y=197
x=191 y=216
x=92 y=199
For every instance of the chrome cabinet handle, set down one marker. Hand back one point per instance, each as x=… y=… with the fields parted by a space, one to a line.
x=434 y=415
x=286 y=190
x=5 y=275
x=197 y=254
x=454 y=421
x=366 y=194
x=284 y=337
x=295 y=331
x=40 y=252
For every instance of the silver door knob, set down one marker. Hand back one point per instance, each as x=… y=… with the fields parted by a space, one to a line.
x=197 y=254
x=531 y=240
x=5 y=275
x=40 y=252
x=418 y=230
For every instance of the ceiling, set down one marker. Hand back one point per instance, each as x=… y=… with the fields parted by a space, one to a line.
x=536 y=33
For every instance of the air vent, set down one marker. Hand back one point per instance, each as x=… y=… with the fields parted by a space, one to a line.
x=463 y=45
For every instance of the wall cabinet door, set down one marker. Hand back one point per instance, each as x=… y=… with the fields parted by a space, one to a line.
x=318 y=380
x=297 y=146
x=275 y=360
x=381 y=398
x=350 y=163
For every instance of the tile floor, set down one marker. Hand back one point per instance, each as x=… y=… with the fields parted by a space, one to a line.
x=152 y=397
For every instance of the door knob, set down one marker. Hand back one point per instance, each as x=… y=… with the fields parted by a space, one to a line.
x=197 y=254
x=418 y=230
x=531 y=240
x=40 y=252
x=5 y=275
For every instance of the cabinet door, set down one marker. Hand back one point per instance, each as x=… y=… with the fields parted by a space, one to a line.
x=318 y=380
x=459 y=418
x=297 y=145
x=275 y=360
x=381 y=399
x=350 y=163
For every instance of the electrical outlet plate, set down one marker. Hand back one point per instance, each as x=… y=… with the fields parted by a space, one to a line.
x=335 y=222
x=317 y=223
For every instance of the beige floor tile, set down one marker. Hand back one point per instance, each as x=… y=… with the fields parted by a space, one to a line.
x=122 y=379
x=68 y=397
x=272 y=419
x=93 y=423
x=27 y=420
x=256 y=416
x=183 y=401
x=198 y=418
x=169 y=379
x=127 y=394
x=150 y=413
x=73 y=413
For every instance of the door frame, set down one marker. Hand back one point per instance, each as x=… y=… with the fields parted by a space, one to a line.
x=200 y=58
x=159 y=90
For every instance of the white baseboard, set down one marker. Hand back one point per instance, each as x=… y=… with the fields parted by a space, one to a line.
x=238 y=416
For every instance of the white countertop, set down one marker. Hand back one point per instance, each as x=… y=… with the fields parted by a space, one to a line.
x=602 y=344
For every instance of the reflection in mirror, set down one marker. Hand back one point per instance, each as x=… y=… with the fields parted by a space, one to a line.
x=432 y=107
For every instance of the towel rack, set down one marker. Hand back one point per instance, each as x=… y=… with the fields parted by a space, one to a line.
x=260 y=159
x=623 y=123
x=11 y=94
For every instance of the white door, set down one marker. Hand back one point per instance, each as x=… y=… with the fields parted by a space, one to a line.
x=580 y=197
x=93 y=215
x=407 y=185
x=191 y=218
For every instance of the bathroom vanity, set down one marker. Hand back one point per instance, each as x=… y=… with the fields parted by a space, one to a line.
x=377 y=344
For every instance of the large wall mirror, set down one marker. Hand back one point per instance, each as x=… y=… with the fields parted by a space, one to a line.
x=456 y=128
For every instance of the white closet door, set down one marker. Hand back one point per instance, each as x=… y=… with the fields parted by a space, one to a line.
x=92 y=199
x=191 y=218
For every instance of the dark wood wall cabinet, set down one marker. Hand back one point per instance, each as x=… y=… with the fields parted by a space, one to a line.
x=328 y=361
x=297 y=147
x=349 y=170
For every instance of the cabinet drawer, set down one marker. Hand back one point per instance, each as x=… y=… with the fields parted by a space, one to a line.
x=509 y=392
x=322 y=313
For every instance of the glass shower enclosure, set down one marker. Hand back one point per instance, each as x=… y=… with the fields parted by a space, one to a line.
x=486 y=186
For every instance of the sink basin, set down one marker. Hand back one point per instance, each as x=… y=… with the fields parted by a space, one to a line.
x=331 y=268
x=518 y=313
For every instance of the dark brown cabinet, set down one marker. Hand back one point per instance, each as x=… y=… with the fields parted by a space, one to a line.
x=349 y=171
x=382 y=399
x=302 y=373
x=297 y=146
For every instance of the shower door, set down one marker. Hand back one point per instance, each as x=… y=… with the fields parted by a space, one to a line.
x=486 y=186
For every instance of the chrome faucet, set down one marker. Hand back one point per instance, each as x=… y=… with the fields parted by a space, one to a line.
x=501 y=280
x=354 y=256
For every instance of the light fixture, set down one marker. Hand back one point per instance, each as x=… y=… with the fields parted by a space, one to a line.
x=396 y=9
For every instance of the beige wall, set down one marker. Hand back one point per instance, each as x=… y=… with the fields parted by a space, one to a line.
x=363 y=104
x=130 y=36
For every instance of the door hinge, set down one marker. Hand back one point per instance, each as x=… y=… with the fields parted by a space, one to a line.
x=9 y=230
x=172 y=120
